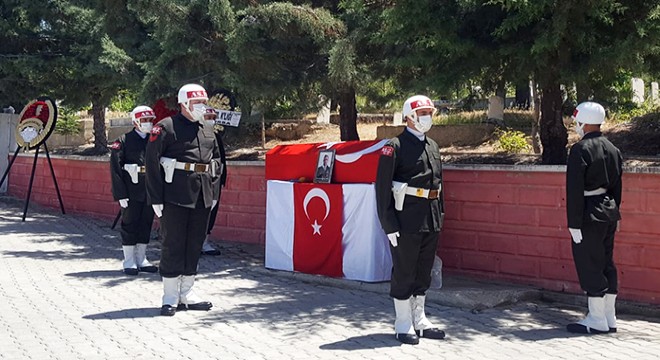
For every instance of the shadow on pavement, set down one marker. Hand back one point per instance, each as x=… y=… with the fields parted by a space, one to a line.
x=125 y=314
x=371 y=341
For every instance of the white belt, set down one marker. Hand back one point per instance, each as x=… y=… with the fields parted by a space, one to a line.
x=141 y=169
x=192 y=167
x=599 y=191
x=423 y=193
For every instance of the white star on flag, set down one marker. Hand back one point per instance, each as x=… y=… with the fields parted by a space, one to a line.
x=317 y=228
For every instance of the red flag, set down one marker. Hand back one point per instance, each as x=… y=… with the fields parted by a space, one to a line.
x=317 y=235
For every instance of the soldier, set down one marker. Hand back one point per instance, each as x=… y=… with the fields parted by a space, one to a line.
x=323 y=171
x=593 y=197
x=211 y=119
x=411 y=211
x=182 y=194
x=127 y=169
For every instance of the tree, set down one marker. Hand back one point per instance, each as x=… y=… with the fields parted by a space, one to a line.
x=441 y=43
x=60 y=48
x=280 y=51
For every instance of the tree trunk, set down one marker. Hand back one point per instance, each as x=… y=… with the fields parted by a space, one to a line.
x=100 y=137
x=348 y=116
x=583 y=91
x=554 y=136
x=535 y=117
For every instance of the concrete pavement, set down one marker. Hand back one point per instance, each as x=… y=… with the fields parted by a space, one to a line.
x=63 y=296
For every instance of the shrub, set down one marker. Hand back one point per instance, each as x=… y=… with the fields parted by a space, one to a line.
x=511 y=141
x=67 y=122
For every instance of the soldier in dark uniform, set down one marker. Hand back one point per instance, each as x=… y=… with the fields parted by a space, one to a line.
x=593 y=197
x=410 y=170
x=211 y=118
x=182 y=194
x=323 y=171
x=127 y=160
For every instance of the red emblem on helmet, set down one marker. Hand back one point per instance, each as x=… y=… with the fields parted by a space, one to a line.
x=387 y=151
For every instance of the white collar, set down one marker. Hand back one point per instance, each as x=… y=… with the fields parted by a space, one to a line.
x=420 y=135
x=142 y=135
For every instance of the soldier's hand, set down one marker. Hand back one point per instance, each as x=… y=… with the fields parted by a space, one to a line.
x=393 y=238
x=158 y=209
x=123 y=203
x=618 y=226
x=576 y=234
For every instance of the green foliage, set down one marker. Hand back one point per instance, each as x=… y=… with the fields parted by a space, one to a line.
x=123 y=101
x=67 y=121
x=627 y=113
x=512 y=141
x=461 y=118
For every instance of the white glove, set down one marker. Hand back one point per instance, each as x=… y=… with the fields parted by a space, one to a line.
x=576 y=234
x=393 y=238
x=215 y=202
x=158 y=209
x=123 y=203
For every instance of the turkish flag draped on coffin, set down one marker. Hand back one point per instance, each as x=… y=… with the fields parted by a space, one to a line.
x=355 y=161
x=317 y=241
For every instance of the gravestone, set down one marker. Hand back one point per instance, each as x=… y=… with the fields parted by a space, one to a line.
x=323 y=117
x=638 y=90
x=655 y=97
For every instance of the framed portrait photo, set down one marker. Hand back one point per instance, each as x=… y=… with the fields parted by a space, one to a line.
x=324 y=166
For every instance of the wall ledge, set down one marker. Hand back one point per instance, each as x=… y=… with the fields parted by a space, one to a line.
x=465 y=167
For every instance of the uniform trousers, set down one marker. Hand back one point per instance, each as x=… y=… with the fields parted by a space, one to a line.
x=136 y=221
x=412 y=261
x=593 y=258
x=183 y=231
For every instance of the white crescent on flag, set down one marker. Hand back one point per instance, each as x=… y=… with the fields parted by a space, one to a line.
x=316 y=192
x=355 y=156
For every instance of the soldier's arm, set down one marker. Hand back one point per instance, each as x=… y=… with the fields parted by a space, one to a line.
x=384 y=199
x=119 y=189
x=223 y=160
x=153 y=176
x=617 y=187
x=575 y=187
x=218 y=163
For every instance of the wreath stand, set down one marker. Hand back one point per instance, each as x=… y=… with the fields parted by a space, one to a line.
x=34 y=168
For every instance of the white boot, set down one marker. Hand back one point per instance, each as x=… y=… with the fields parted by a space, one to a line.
x=403 y=324
x=170 y=295
x=595 y=322
x=610 y=311
x=141 y=259
x=208 y=249
x=188 y=298
x=130 y=268
x=424 y=327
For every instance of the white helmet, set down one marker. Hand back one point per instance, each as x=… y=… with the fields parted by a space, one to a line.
x=418 y=102
x=415 y=103
x=140 y=113
x=589 y=113
x=191 y=92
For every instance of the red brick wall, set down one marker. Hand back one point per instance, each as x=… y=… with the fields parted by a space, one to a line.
x=511 y=225
x=505 y=223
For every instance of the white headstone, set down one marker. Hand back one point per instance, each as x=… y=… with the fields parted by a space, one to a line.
x=655 y=95
x=638 y=90
x=496 y=108
x=323 y=117
x=398 y=118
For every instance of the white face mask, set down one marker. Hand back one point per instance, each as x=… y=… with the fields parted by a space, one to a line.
x=579 y=129
x=209 y=122
x=146 y=127
x=198 y=111
x=424 y=123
